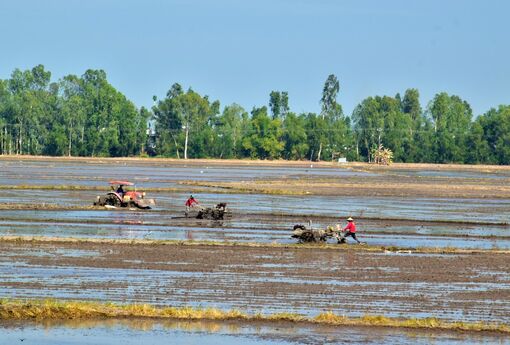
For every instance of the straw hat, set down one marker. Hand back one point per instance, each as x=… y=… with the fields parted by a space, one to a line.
x=350 y=219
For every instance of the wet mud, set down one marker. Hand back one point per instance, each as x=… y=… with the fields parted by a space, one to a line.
x=468 y=287
x=258 y=227
x=398 y=206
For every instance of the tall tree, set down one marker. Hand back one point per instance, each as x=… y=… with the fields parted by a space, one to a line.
x=229 y=129
x=72 y=111
x=494 y=143
x=111 y=120
x=330 y=111
x=194 y=111
x=264 y=141
x=477 y=148
x=451 y=117
x=294 y=137
x=368 y=125
x=411 y=104
x=329 y=106
x=398 y=128
x=316 y=133
x=279 y=104
x=420 y=130
x=168 y=123
x=187 y=113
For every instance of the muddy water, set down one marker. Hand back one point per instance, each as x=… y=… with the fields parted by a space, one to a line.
x=272 y=280
x=256 y=217
x=425 y=209
x=262 y=228
x=228 y=231
x=215 y=290
x=150 y=175
x=451 y=287
x=110 y=332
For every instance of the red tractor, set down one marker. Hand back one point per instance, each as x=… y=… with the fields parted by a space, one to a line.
x=119 y=197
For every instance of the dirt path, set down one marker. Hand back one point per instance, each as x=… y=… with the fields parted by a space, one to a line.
x=468 y=287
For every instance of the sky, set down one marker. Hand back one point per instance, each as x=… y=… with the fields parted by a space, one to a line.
x=239 y=51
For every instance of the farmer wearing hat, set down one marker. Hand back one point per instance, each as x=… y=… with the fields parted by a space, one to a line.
x=191 y=202
x=351 y=231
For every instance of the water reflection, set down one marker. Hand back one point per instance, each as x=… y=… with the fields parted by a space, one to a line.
x=145 y=331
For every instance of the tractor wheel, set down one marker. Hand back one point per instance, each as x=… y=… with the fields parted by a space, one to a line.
x=112 y=200
x=217 y=214
x=308 y=237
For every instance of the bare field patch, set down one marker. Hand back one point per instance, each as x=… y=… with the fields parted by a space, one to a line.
x=275 y=280
x=386 y=186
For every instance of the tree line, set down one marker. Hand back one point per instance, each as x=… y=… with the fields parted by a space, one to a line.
x=86 y=116
x=76 y=116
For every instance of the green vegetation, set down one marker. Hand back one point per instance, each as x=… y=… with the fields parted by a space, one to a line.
x=86 y=116
x=53 y=309
x=76 y=116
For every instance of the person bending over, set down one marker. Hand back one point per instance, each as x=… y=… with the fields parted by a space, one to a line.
x=191 y=202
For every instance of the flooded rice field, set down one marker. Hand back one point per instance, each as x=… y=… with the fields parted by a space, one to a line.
x=112 y=332
x=247 y=228
x=262 y=218
x=42 y=198
x=468 y=287
x=383 y=220
x=75 y=171
x=96 y=173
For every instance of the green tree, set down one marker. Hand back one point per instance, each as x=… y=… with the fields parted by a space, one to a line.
x=31 y=107
x=229 y=130
x=477 y=148
x=494 y=144
x=341 y=141
x=186 y=118
x=294 y=137
x=111 y=126
x=144 y=142
x=331 y=111
x=421 y=130
x=398 y=128
x=451 y=117
x=397 y=124
x=329 y=106
x=168 y=123
x=264 y=141
x=317 y=133
x=279 y=104
x=72 y=114
x=368 y=125
x=194 y=111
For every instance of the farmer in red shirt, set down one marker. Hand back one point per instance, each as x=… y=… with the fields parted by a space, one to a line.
x=351 y=231
x=191 y=202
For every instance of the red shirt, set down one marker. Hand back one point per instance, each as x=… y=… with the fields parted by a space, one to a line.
x=190 y=202
x=351 y=227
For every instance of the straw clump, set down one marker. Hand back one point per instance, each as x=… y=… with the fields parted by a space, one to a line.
x=54 y=309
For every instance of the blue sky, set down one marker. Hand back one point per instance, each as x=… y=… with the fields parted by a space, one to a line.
x=239 y=51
